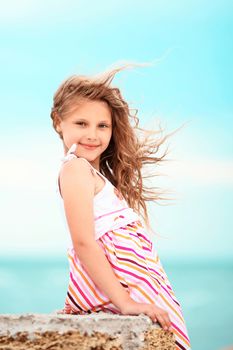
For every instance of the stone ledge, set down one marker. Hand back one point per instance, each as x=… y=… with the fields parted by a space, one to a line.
x=97 y=331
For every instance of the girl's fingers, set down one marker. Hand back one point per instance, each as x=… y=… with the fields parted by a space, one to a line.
x=164 y=321
x=152 y=316
x=162 y=318
x=161 y=321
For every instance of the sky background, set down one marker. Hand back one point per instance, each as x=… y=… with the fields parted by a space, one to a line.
x=190 y=82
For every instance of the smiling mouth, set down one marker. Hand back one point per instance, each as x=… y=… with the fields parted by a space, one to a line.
x=89 y=146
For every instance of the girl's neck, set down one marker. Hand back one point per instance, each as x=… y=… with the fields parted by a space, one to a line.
x=95 y=163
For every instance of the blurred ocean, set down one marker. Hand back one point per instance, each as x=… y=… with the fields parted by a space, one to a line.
x=204 y=289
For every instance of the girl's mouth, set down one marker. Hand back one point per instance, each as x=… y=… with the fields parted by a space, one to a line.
x=91 y=147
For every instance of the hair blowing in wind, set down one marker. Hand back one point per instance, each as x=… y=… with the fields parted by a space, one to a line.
x=131 y=147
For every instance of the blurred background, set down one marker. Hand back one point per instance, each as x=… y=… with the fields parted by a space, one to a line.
x=190 y=82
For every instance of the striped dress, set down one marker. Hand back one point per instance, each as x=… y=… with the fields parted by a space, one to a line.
x=133 y=258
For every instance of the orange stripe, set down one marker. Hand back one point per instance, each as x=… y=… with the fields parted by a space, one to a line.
x=142 y=292
x=171 y=307
x=120 y=278
x=163 y=282
x=131 y=229
x=136 y=287
x=130 y=284
x=152 y=301
x=153 y=260
x=129 y=254
x=87 y=282
x=72 y=292
x=157 y=284
x=136 y=268
x=180 y=336
x=131 y=265
x=124 y=253
x=129 y=238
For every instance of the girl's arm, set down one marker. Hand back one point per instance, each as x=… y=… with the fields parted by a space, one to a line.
x=77 y=188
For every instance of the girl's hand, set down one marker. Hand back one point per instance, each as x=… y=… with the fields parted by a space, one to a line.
x=154 y=312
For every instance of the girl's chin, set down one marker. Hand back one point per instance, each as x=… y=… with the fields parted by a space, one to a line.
x=88 y=156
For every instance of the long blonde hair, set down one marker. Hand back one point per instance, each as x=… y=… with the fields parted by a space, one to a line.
x=130 y=147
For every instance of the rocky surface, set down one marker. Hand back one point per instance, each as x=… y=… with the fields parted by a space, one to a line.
x=98 y=331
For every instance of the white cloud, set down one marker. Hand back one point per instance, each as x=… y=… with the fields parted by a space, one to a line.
x=30 y=166
x=26 y=174
x=14 y=11
x=31 y=217
x=201 y=171
x=35 y=173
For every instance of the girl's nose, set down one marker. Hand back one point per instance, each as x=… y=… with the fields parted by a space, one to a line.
x=91 y=134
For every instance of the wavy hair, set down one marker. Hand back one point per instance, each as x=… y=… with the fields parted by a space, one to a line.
x=131 y=148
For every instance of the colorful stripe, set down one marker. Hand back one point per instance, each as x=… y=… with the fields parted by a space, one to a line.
x=139 y=270
x=115 y=211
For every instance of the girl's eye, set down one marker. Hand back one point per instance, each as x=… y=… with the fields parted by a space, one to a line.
x=103 y=126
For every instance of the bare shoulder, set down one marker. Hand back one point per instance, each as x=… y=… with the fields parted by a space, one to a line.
x=77 y=173
x=77 y=165
x=77 y=190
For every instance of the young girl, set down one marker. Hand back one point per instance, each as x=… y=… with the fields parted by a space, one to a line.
x=114 y=266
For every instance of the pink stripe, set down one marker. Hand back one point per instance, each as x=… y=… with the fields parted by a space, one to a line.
x=145 y=248
x=82 y=284
x=145 y=287
x=84 y=296
x=111 y=308
x=134 y=275
x=180 y=331
x=145 y=268
x=130 y=250
x=133 y=262
x=131 y=234
x=137 y=294
x=116 y=211
x=169 y=294
x=162 y=278
x=137 y=235
x=85 y=288
x=144 y=237
x=157 y=273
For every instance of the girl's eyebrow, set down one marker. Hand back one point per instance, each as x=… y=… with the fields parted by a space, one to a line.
x=101 y=121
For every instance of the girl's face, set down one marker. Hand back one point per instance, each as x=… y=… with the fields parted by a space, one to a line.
x=90 y=127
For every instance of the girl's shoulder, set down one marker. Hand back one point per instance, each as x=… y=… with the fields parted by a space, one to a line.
x=76 y=166
x=75 y=175
x=78 y=161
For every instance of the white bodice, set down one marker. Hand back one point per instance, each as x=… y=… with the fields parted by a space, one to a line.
x=111 y=210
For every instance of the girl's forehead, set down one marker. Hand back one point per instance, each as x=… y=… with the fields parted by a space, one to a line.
x=93 y=105
x=91 y=110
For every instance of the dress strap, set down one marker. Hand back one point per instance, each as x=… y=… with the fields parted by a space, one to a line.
x=94 y=170
x=72 y=148
x=70 y=155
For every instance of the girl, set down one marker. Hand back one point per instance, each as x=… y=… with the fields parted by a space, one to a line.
x=114 y=266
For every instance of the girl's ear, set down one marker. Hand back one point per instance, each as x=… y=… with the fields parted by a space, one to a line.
x=58 y=128
x=57 y=120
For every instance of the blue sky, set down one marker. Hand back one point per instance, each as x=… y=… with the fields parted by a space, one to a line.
x=190 y=82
